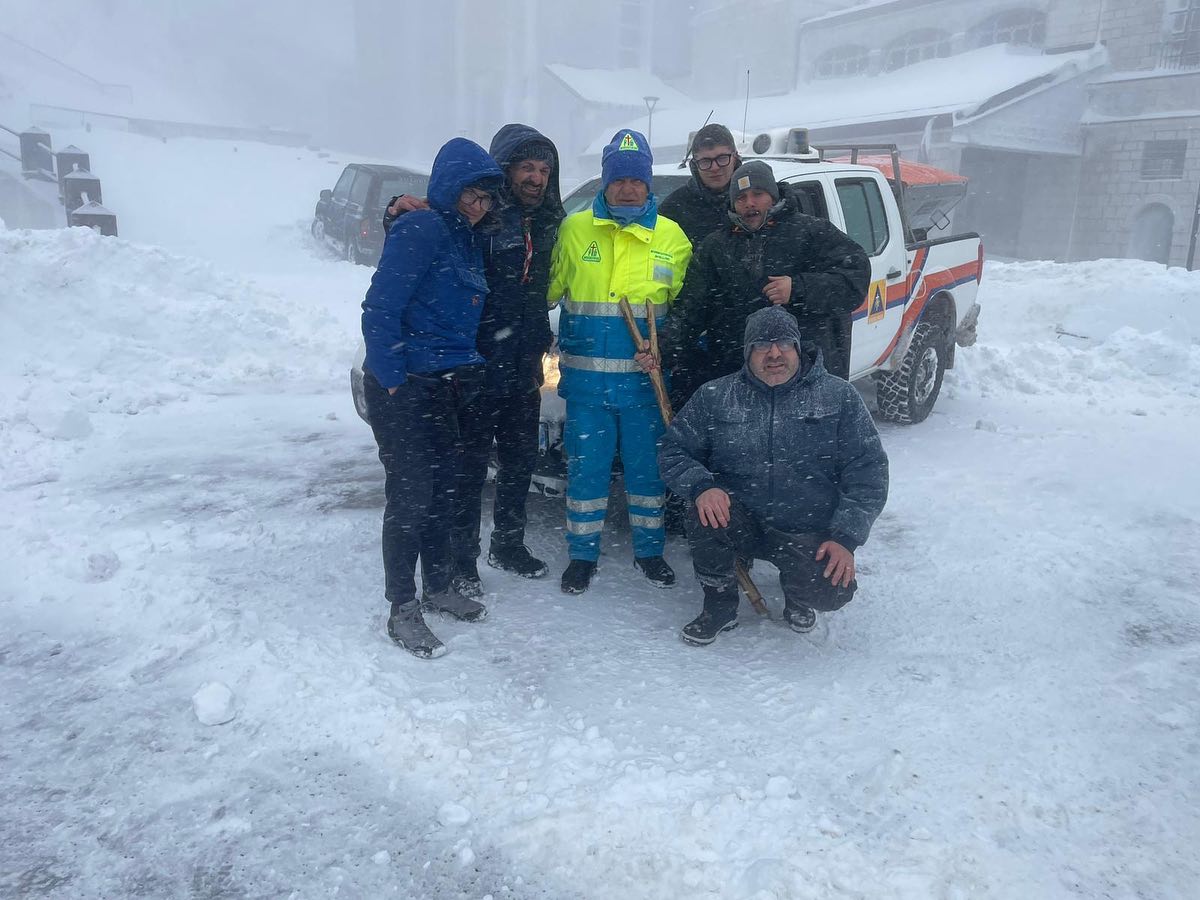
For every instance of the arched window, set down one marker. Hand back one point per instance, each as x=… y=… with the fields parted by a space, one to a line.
x=925 y=43
x=1153 y=230
x=839 y=62
x=1024 y=27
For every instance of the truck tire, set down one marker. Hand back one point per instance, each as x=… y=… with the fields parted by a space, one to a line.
x=907 y=394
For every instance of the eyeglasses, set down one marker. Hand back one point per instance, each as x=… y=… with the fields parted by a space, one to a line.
x=482 y=199
x=765 y=346
x=706 y=162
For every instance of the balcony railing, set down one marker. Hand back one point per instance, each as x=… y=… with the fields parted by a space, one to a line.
x=1181 y=54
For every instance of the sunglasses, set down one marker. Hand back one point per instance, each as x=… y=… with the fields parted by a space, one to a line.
x=707 y=162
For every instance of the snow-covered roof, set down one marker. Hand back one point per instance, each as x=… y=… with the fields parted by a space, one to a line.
x=961 y=83
x=618 y=87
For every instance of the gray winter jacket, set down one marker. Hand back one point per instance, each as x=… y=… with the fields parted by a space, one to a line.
x=803 y=457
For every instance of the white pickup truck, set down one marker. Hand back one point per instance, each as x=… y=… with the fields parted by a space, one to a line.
x=921 y=301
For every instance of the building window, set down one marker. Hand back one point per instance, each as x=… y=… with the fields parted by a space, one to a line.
x=1023 y=27
x=629 y=34
x=1163 y=160
x=914 y=47
x=1181 y=46
x=841 y=62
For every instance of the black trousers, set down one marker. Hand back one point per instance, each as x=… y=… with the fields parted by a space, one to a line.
x=420 y=446
x=801 y=576
x=512 y=422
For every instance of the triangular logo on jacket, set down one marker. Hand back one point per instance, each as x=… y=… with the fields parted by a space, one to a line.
x=592 y=253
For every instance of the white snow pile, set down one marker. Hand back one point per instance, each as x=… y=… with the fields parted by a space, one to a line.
x=1086 y=329
x=122 y=326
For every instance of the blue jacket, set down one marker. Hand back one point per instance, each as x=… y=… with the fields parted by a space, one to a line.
x=422 y=310
x=803 y=457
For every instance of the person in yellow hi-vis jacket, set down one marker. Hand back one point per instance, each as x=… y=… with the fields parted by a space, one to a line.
x=621 y=247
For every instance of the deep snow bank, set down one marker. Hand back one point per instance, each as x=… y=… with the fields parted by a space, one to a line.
x=121 y=326
x=1092 y=329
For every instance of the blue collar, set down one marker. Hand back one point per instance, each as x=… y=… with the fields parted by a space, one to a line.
x=646 y=215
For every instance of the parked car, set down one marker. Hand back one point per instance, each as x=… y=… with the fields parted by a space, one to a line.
x=350 y=217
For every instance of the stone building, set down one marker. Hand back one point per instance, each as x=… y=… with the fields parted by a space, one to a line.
x=1077 y=121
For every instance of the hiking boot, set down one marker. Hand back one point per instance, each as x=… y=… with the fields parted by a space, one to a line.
x=517 y=560
x=452 y=603
x=705 y=627
x=466 y=581
x=578 y=576
x=406 y=626
x=801 y=619
x=656 y=570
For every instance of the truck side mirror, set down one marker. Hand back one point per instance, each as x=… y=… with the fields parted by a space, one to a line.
x=326 y=194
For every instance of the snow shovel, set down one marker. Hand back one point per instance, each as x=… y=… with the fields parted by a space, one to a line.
x=664 y=407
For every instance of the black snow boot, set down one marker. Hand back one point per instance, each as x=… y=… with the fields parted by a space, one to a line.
x=800 y=618
x=656 y=570
x=719 y=614
x=517 y=560
x=406 y=626
x=578 y=576
x=466 y=580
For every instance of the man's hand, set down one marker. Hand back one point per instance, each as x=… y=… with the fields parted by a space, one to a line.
x=645 y=359
x=840 y=568
x=406 y=203
x=779 y=289
x=713 y=507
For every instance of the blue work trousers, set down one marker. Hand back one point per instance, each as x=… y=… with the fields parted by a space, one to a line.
x=591 y=435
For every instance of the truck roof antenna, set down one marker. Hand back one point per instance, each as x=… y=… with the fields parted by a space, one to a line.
x=746 y=109
x=687 y=151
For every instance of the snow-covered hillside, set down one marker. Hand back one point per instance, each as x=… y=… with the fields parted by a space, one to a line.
x=1006 y=710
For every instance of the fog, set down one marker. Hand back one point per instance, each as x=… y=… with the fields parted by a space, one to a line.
x=1070 y=153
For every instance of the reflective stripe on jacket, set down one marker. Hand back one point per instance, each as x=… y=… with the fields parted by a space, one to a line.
x=596 y=262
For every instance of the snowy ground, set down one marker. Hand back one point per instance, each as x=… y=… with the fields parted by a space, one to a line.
x=1006 y=710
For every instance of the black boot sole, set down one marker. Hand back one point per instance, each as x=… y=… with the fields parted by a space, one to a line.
x=700 y=642
x=541 y=573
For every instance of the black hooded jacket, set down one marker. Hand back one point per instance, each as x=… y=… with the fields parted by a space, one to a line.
x=514 y=329
x=830 y=275
x=697 y=210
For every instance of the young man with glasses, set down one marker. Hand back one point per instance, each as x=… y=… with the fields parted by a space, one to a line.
x=701 y=206
x=780 y=461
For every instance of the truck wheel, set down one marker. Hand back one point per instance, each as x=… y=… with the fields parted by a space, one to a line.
x=907 y=394
x=317 y=229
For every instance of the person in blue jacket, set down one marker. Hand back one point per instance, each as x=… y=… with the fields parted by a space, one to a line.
x=419 y=322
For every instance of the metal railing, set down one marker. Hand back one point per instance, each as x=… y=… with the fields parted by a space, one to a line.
x=1181 y=54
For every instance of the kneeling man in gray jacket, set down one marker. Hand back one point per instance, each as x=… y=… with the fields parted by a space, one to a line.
x=781 y=462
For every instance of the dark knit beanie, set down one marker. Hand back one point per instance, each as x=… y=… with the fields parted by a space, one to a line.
x=536 y=150
x=754 y=175
x=770 y=324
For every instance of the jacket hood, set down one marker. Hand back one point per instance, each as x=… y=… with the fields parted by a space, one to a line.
x=511 y=138
x=460 y=163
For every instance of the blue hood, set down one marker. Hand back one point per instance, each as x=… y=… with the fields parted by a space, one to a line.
x=460 y=163
x=511 y=138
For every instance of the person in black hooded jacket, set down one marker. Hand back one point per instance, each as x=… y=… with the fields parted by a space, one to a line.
x=514 y=335
x=768 y=253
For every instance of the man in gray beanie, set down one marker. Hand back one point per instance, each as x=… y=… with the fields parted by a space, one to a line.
x=780 y=461
x=768 y=254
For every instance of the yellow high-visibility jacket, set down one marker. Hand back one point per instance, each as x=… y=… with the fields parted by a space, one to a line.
x=595 y=263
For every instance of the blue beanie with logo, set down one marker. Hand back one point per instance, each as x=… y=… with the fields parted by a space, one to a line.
x=627 y=155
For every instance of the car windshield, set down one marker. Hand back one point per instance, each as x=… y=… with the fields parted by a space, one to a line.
x=402 y=183
x=662 y=185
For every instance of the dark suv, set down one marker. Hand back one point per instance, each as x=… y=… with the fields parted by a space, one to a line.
x=350 y=217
